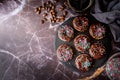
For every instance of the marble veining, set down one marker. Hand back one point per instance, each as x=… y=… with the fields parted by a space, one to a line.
x=27 y=46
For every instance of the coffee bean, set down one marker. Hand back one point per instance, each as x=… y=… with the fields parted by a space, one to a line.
x=53 y=7
x=36 y=9
x=53 y=21
x=57 y=20
x=48 y=2
x=62 y=18
x=52 y=12
x=50 y=5
x=55 y=1
x=38 y=12
x=44 y=14
x=65 y=13
x=61 y=8
x=45 y=19
x=42 y=21
x=44 y=4
x=43 y=8
x=54 y=15
x=49 y=10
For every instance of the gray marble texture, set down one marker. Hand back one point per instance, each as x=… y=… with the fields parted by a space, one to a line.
x=27 y=46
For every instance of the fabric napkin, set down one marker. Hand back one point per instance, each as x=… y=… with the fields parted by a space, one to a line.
x=108 y=12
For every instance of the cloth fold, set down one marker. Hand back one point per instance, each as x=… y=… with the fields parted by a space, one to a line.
x=108 y=12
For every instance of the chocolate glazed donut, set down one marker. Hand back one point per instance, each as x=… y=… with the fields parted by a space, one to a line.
x=80 y=23
x=83 y=62
x=64 y=52
x=65 y=33
x=97 y=31
x=82 y=43
x=97 y=50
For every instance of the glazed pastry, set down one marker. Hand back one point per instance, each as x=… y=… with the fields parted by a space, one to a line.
x=65 y=33
x=64 y=53
x=113 y=68
x=82 y=43
x=97 y=50
x=97 y=31
x=80 y=23
x=83 y=62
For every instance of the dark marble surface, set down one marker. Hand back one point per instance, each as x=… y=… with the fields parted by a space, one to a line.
x=27 y=46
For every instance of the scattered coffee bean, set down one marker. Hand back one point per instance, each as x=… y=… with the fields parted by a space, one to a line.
x=52 y=12
x=43 y=8
x=38 y=12
x=62 y=18
x=48 y=2
x=53 y=7
x=57 y=19
x=52 y=20
x=36 y=9
x=54 y=15
x=50 y=5
x=39 y=8
x=44 y=4
x=61 y=8
x=65 y=13
x=55 y=1
x=45 y=19
x=42 y=21
x=44 y=14
x=48 y=9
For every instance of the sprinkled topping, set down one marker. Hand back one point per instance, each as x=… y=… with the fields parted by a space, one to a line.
x=97 y=31
x=100 y=30
x=80 y=23
x=97 y=50
x=64 y=53
x=65 y=32
x=113 y=68
x=82 y=43
x=86 y=64
x=83 y=62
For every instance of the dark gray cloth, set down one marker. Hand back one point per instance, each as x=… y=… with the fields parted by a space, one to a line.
x=108 y=12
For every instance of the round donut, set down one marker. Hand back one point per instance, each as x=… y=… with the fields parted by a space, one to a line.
x=65 y=33
x=82 y=43
x=80 y=23
x=97 y=31
x=97 y=50
x=113 y=68
x=64 y=53
x=83 y=62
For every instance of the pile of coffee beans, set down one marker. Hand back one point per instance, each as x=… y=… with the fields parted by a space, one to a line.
x=52 y=12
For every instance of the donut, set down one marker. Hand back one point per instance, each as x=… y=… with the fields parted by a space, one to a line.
x=113 y=68
x=64 y=53
x=82 y=43
x=80 y=23
x=65 y=33
x=97 y=31
x=83 y=62
x=97 y=50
